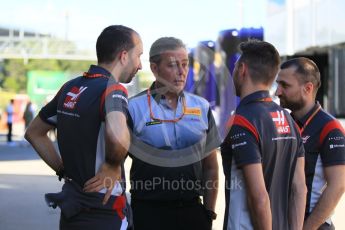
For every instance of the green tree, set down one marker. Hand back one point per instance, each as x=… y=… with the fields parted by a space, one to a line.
x=13 y=76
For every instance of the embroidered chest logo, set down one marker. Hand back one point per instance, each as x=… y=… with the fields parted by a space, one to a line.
x=280 y=122
x=192 y=111
x=73 y=96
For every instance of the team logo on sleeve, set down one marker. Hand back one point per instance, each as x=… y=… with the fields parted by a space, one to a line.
x=336 y=146
x=120 y=97
x=72 y=97
x=280 y=122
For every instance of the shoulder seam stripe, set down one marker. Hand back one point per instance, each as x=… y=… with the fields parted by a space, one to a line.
x=243 y=122
x=331 y=125
x=115 y=88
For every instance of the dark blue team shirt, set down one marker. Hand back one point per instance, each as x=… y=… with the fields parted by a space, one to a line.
x=78 y=111
x=260 y=132
x=324 y=142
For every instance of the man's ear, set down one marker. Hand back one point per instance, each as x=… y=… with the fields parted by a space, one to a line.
x=154 y=68
x=308 y=88
x=123 y=56
x=242 y=69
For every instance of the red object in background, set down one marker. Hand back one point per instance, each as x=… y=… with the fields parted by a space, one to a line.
x=20 y=101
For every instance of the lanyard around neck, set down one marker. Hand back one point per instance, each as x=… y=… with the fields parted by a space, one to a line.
x=165 y=120
x=310 y=118
x=265 y=99
x=94 y=75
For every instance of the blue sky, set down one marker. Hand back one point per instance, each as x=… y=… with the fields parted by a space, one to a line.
x=190 y=20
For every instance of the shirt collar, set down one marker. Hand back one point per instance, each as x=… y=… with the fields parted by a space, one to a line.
x=95 y=69
x=256 y=96
x=304 y=119
x=157 y=97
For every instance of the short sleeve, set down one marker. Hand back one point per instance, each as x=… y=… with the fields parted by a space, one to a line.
x=300 y=148
x=244 y=146
x=213 y=138
x=333 y=148
x=116 y=99
x=49 y=112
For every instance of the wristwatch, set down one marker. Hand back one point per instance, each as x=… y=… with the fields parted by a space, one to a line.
x=211 y=214
x=60 y=172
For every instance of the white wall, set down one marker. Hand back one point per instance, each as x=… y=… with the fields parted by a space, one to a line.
x=295 y=25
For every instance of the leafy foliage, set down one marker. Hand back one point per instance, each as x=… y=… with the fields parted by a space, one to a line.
x=13 y=72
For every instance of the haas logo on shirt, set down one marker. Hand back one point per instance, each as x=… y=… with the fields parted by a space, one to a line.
x=280 y=121
x=72 y=97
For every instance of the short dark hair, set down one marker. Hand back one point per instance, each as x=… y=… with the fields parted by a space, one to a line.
x=112 y=41
x=307 y=69
x=262 y=59
x=162 y=45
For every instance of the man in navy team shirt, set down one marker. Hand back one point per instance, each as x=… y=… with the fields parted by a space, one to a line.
x=323 y=138
x=263 y=155
x=89 y=113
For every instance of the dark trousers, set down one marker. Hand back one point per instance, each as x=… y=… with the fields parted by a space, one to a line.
x=91 y=220
x=9 y=134
x=170 y=216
